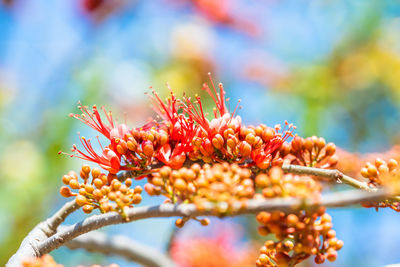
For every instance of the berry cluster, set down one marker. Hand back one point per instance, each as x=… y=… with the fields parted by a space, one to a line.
x=298 y=236
x=312 y=152
x=99 y=191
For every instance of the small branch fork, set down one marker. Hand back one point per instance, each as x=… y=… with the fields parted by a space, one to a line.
x=121 y=246
x=41 y=232
x=44 y=237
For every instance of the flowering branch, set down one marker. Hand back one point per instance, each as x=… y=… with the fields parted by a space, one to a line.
x=333 y=174
x=121 y=246
x=338 y=199
x=40 y=233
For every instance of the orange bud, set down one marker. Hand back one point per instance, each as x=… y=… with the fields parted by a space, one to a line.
x=65 y=191
x=66 y=179
x=148 y=148
x=86 y=169
x=89 y=188
x=87 y=209
x=268 y=134
x=81 y=200
x=179 y=223
x=392 y=164
x=131 y=144
x=245 y=149
x=308 y=144
x=330 y=149
x=74 y=184
x=136 y=199
x=320 y=143
x=180 y=184
x=372 y=171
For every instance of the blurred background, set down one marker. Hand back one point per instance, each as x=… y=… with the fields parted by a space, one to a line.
x=330 y=67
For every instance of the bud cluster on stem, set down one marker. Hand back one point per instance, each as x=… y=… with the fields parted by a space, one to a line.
x=189 y=158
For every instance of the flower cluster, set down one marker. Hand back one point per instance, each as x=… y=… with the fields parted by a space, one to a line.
x=312 y=152
x=48 y=261
x=298 y=236
x=183 y=133
x=99 y=191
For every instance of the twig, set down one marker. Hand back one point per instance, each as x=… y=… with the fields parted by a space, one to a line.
x=94 y=222
x=326 y=173
x=41 y=232
x=121 y=246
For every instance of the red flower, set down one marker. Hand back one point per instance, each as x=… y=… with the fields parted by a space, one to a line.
x=176 y=157
x=108 y=160
x=93 y=119
x=262 y=156
x=222 y=117
x=167 y=111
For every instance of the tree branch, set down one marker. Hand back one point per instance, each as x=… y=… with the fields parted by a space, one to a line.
x=94 y=222
x=121 y=246
x=40 y=233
